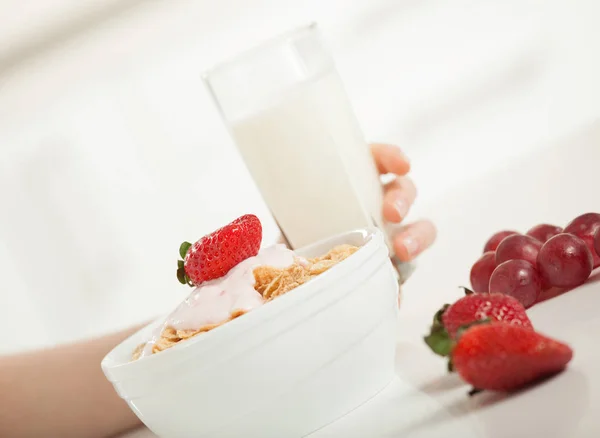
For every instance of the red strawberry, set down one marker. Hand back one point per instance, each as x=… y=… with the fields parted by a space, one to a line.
x=504 y=357
x=472 y=308
x=476 y=307
x=215 y=254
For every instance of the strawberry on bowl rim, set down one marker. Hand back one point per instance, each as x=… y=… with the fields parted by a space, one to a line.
x=215 y=254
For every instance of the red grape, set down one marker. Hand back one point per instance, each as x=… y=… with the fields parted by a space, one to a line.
x=518 y=247
x=519 y=279
x=565 y=261
x=544 y=232
x=482 y=271
x=495 y=240
x=597 y=242
x=585 y=226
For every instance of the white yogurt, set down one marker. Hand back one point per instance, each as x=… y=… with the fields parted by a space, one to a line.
x=213 y=301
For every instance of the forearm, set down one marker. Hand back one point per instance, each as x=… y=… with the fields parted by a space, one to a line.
x=62 y=392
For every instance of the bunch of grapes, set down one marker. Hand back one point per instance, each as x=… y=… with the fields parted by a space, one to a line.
x=524 y=265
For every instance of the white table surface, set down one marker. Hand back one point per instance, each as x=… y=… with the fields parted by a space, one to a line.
x=557 y=183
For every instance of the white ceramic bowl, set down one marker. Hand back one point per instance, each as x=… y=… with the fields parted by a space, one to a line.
x=285 y=369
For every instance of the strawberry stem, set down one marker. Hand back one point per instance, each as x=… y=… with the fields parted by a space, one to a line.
x=474 y=391
x=467 y=290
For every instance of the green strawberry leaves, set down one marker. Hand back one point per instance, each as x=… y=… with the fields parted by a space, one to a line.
x=183 y=249
x=438 y=338
x=437 y=318
x=181 y=275
x=439 y=341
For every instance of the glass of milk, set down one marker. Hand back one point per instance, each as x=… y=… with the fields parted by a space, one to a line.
x=286 y=109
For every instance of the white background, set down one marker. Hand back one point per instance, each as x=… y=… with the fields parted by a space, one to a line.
x=111 y=152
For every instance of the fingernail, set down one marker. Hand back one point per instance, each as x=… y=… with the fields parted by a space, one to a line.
x=411 y=244
x=401 y=207
x=405 y=157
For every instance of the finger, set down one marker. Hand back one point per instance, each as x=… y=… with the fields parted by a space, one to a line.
x=413 y=239
x=399 y=196
x=390 y=159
